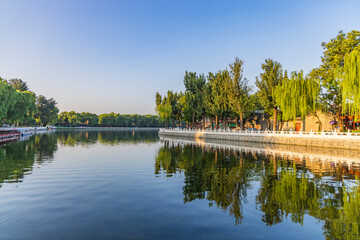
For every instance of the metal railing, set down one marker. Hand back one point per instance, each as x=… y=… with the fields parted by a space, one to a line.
x=323 y=134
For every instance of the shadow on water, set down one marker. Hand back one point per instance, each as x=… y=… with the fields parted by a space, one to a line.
x=17 y=159
x=286 y=188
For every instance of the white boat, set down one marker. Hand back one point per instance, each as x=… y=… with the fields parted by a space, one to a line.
x=25 y=132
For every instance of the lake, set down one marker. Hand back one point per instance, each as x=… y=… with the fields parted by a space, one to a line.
x=132 y=185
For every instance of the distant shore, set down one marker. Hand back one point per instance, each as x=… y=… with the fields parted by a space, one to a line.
x=108 y=128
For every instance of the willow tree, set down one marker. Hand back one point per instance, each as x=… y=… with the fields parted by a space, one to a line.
x=350 y=85
x=297 y=96
x=239 y=91
x=331 y=71
x=23 y=109
x=8 y=97
x=269 y=80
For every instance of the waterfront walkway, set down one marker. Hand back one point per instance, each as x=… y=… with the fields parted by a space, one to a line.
x=345 y=140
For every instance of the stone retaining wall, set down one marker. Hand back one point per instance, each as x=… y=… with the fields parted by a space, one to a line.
x=341 y=142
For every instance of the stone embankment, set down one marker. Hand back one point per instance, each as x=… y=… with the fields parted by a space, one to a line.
x=314 y=139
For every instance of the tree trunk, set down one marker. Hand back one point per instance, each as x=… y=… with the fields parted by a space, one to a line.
x=340 y=121
x=216 y=122
x=193 y=120
x=275 y=119
x=242 y=121
x=275 y=165
x=216 y=155
x=212 y=121
x=204 y=123
x=320 y=124
x=281 y=125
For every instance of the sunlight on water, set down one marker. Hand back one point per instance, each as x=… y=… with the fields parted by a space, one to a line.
x=131 y=185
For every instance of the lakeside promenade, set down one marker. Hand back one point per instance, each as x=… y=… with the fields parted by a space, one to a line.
x=341 y=140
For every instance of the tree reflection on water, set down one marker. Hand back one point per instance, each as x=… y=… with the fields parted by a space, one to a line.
x=286 y=188
x=17 y=159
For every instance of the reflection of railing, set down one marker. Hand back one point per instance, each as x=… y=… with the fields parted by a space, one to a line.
x=290 y=152
x=337 y=135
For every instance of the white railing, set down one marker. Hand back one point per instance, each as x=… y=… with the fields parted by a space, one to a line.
x=259 y=133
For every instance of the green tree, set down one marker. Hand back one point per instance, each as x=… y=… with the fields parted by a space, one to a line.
x=297 y=96
x=163 y=108
x=350 y=85
x=239 y=91
x=331 y=71
x=74 y=118
x=46 y=110
x=194 y=87
x=8 y=97
x=23 y=109
x=89 y=119
x=269 y=80
x=18 y=84
x=218 y=102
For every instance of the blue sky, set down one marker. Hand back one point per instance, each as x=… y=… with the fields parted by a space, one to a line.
x=113 y=56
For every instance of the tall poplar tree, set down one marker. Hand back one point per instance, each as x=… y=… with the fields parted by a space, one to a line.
x=220 y=107
x=194 y=95
x=239 y=91
x=267 y=83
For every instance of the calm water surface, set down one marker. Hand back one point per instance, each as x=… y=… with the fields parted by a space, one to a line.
x=131 y=185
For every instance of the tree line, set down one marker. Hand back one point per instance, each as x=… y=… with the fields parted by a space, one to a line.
x=332 y=87
x=19 y=106
x=86 y=119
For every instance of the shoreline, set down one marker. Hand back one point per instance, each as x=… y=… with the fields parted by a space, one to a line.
x=294 y=152
x=319 y=140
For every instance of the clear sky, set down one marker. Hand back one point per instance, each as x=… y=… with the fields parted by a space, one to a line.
x=113 y=56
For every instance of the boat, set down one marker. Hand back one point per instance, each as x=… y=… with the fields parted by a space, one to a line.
x=24 y=132
x=9 y=135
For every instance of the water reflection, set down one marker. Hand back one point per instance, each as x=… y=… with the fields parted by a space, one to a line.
x=286 y=188
x=109 y=137
x=17 y=159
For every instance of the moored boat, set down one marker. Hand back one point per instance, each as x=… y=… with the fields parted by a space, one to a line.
x=9 y=135
x=25 y=132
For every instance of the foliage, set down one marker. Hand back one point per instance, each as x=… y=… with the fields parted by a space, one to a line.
x=220 y=85
x=194 y=94
x=86 y=119
x=331 y=71
x=297 y=96
x=18 y=84
x=16 y=106
x=24 y=108
x=169 y=107
x=350 y=85
x=267 y=84
x=269 y=80
x=239 y=91
x=46 y=110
